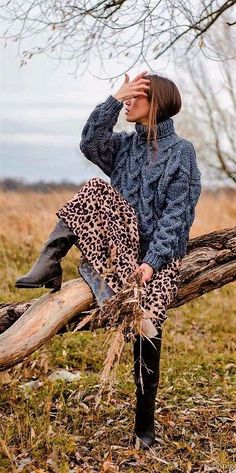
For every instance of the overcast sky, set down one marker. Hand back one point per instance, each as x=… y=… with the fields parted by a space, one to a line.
x=43 y=109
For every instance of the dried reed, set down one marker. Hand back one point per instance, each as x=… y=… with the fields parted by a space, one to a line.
x=122 y=315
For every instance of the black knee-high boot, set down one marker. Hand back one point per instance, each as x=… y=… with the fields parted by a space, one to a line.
x=47 y=270
x=144 y=429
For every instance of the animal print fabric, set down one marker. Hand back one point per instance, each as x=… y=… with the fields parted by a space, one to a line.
x=106 y=226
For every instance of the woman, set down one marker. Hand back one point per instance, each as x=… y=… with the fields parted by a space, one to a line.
x=140 y=221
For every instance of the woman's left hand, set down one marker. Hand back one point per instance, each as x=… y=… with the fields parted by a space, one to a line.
x=147 y=271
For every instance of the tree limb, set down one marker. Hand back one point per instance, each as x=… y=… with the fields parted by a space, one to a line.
x=210 y=263
x=110 y=25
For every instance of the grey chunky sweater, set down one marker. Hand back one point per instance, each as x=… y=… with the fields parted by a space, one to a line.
x=163 y=192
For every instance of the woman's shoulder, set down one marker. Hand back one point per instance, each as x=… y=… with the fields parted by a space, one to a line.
x=186 y=145
x=188 y=157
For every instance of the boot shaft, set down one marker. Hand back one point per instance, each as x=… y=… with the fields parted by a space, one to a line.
x=47 y=271
x=59 y=241
x=146 y=357
x=146 y=376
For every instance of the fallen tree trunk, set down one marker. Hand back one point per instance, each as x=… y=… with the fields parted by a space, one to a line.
x=210 y=263
x=42 y=320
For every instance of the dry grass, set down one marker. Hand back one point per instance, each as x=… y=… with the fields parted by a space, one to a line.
x=31 y=215
x=55 y=427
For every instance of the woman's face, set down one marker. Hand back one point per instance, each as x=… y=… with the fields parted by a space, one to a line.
x=137 y=109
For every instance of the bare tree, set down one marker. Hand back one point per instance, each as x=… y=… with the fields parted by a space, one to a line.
x=211 y=109
x=132 y=31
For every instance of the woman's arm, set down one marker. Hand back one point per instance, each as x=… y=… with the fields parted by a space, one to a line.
x=98 y=141
x=182 y=196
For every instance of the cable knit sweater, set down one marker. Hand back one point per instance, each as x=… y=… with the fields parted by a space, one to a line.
x=163 y=192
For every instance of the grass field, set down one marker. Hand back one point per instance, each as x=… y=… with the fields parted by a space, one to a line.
x=53 y=427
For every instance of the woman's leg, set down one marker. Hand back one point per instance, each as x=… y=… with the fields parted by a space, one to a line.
x=107 y=230
x=99 y=221
x=47 y=271
x=146 y=356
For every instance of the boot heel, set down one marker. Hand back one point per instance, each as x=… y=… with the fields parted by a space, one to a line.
x=54 y=283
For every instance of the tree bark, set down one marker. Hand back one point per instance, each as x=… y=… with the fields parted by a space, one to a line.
x=210 y=263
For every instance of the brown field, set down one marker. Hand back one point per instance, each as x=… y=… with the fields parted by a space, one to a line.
x=54 y=428
x=32 y=214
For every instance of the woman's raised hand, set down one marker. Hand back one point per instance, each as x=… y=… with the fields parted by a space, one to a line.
x=139 y=86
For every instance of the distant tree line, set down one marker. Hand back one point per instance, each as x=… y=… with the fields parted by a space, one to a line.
x=19 y=185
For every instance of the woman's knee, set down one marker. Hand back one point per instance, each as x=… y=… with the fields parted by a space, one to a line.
x=96 y=182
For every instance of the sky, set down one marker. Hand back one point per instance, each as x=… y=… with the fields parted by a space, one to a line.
x=43 y=109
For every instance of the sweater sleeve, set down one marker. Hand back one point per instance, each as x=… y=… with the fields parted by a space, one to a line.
x=98 y=141
x=165 y=236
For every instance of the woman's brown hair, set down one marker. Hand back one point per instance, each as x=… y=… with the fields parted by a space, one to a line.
x=165 y=101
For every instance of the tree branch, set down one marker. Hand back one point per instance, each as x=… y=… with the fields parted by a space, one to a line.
x=209 y=264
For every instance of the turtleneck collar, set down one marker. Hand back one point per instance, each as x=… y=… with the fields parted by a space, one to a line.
x=164 y=129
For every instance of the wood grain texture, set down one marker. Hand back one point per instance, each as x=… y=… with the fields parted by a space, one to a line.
x=210 y=263
x=42 y=320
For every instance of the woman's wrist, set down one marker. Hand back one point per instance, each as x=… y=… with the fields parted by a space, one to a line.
x=118 y=97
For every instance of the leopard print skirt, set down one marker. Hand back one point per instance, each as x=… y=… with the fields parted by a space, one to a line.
x=106 y=226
